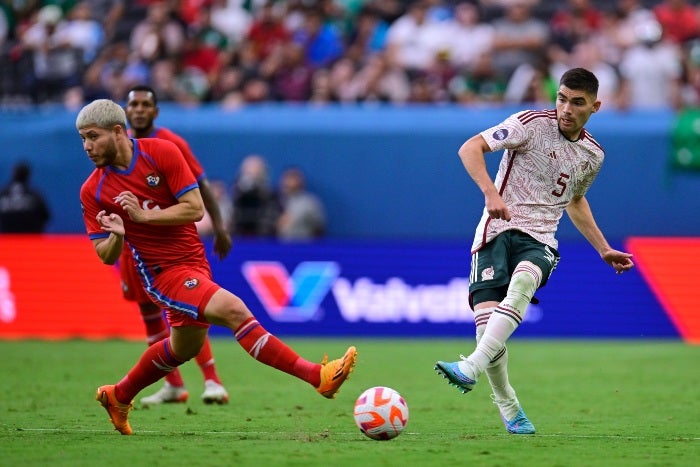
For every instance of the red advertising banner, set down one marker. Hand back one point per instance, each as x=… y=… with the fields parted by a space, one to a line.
x=55 y=287
x=670 y=267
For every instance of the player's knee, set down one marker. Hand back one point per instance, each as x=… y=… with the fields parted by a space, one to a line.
x=523 y=285
x=227 y=310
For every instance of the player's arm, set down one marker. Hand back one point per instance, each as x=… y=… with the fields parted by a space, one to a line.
x=222 y=237
x=580 y=213
x=189 y=208
x=109 y=248
x=472 y=155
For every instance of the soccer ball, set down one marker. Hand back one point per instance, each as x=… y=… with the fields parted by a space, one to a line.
x=381 y=413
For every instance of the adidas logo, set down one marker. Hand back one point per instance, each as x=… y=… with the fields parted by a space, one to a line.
x=552 y=155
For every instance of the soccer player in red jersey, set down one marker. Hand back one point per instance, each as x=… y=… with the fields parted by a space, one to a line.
x=143 y=196
x=141 y=112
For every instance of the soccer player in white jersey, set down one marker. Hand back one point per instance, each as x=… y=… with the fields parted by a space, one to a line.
x=548 y=164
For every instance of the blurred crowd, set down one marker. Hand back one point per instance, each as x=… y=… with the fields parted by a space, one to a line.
x=252 y=206
x=236 y=52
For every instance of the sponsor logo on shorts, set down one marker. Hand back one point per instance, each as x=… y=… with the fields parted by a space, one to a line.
x=191 y=283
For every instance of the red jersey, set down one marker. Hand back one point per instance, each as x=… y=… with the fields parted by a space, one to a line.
x=158 y=175
x=192 y=162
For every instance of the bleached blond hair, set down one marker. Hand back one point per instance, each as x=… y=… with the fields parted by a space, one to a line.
x=102 y=113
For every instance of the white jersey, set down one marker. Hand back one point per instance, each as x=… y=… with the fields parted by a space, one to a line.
x=540 y=173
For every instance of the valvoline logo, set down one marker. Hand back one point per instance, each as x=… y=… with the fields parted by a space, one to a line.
x=294 y=298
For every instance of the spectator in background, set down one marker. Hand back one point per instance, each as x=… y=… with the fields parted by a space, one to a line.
x=22 y=208
x=679 y=20
x=255 y=205
x=157 y=36
x=289 y=73
x=6 y=20
x=380 y=80
x=230 y=18
x=267 y=32
x=367 y=36
x=206 y=52
x=115 y=70
x=470 y=38
x=480 y=84
x=411 y=40
x=621 y=31
x=82 y=31
x=519 y=38
x=532 y=84
x=303 y=216
x=320 y=39
x=58 y=65
x=573 y=22
x=651 y=72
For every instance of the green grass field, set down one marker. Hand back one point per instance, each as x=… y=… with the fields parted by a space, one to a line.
x=601 y=403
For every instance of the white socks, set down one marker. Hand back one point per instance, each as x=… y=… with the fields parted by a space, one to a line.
x=504 y=319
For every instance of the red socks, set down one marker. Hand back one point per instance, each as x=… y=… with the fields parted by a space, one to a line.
x=205 y=360
x=267 y=349
x=156 y=362
x=156 y=326
x=156 y=330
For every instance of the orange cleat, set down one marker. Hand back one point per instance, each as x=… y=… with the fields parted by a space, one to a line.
x=118 y=412
x=335 y=372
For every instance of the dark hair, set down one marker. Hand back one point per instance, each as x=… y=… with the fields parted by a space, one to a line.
x=580 y=79
x=21 y=172
x=144 y=88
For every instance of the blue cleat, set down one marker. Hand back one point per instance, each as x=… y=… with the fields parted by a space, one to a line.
x=519 y=425
x=455 y=376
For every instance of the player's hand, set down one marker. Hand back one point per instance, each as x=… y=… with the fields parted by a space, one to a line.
x=130 y=204
x=111 y=223
x=222 y=244
x=497 y=208
x=619 y=260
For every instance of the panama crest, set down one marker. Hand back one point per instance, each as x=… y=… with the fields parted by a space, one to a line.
x=153 y=180
x=191 y=282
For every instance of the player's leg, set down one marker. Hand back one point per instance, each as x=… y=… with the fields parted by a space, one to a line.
x=226 y=309
x=506 y=317
x=497 y=370
x=214 y=390
x=157 y=329
x=534 y=263
x=504 y=396
x=488 y=282
x=156 y=362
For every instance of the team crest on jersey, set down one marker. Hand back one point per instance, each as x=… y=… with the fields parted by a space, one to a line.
x=191 y=282
x=500 y=134
x=487 y=274
x=153 y=180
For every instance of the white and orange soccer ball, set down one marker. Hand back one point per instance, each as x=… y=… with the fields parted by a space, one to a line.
x=381 y=413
